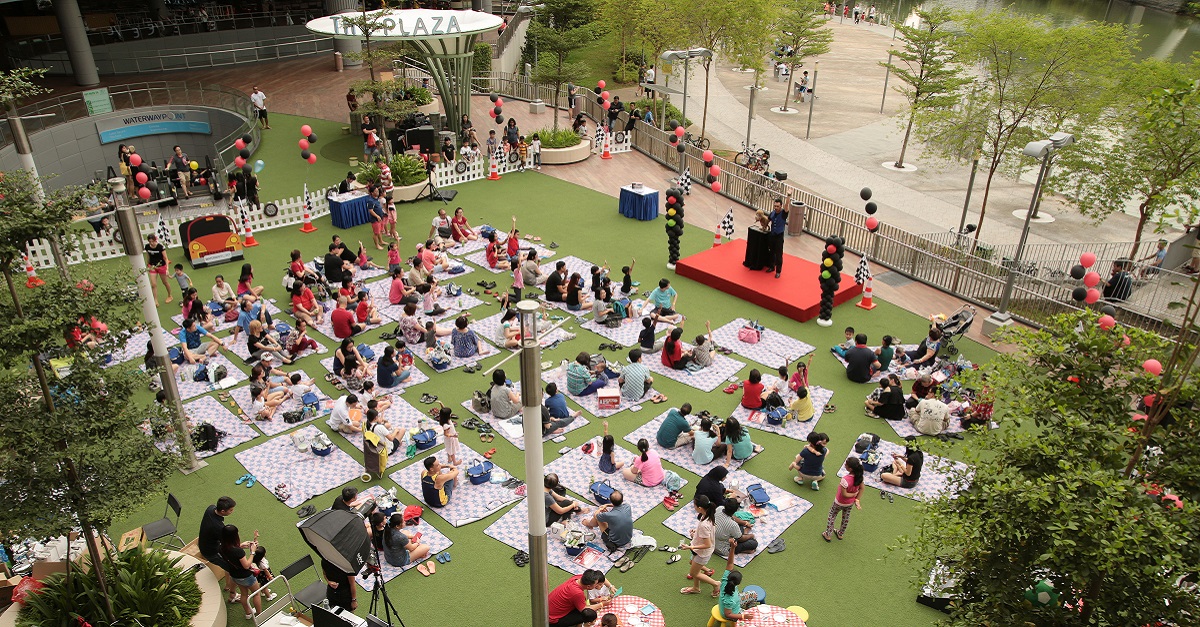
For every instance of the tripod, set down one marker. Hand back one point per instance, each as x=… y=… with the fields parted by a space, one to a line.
x=430 y=188
x=379 y=591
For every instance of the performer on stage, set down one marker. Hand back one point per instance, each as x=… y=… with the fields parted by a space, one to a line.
x=777 y=226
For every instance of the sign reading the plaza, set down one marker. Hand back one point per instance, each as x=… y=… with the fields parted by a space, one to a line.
x=152 y=122
x=408 y=24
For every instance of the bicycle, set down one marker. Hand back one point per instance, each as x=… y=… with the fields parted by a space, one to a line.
x=699 y=142
x=753 y=158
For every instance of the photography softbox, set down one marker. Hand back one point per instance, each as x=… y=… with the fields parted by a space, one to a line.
x=340 y=537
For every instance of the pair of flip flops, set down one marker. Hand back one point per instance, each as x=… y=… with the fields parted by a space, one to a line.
x=282 y=493
x=247 y=479
x=306 y=511
x=724 y=351
x=443 y=557
x=487 y=437
x=658 y=398
x=491 y=451
x=890 y=497
x=487 y=285
x=631 y=558
x=511 y=483
x=427 y=569
x=474 y=423
x=830 y=408
x=611 y=347
x=776 y=546
x=428 y=398
x=521 y=558
x=472 y=368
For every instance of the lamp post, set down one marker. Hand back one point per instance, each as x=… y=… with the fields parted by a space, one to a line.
x=1045 y=149
x=25 y=155
x=531 y=415
x=750 y=114
x=685 y=56
x=812 y=97
x=885 y=80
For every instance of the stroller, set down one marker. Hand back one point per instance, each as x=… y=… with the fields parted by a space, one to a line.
x=955 y=327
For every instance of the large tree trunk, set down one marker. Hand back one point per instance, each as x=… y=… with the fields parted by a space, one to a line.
x=987 y=189
x=1141 y=224
x=787 y=93
x=904 y=144
x=707 y=78
x=557 y=87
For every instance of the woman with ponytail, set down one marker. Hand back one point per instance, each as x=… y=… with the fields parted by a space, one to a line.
x=702 y=547
x=646 y=468
x=730 y=599
x=849 y=491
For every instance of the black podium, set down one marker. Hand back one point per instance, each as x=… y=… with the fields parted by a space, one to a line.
x=758 y=249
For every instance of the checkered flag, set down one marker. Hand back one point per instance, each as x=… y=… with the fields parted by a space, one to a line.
x=727 y=223
x=164 y=233
x=500 y=153
x=685 y=181
x=308 y=206
x=863 y=272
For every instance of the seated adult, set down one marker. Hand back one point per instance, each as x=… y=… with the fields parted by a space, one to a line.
x=343 y=320
x=377 y=425
x=646 y=468
x=305 y=306
x=738 y=439
x=890 y=402
x=463 y=339
x=930 y=417
x=345 y=501
x=635 y=378
x=260 y=343
x=673 y=354
x=615 y=521
x=250 y=309
x=906 y=468
x=437 y=482
x=726 y=527
x=663 y=300
x=399 y=546
x=223 y=293
x=461 y=230
x=810 y=463
x=568 y=604
x=706 y=442
x=347 y=255
x=711 y=485
x=752 y=390
x=191 y=335
x=556 y=283
x=926 y=353
x=340 y=418
x=298 y=340
x=399 y=293
x=675 y=429
x=583 y=379
x=389 y=372
x=922 y=389
x=559 y=507
x=432 y=257
x=508 y=333
x=297 y=270
x=506 y=402
x=531 y=271
x=344 y=350
x=1120 y=285
x=859 y=360
x=556 y=414
x=336 y=268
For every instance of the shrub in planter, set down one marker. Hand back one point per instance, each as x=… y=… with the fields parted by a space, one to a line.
x=672 y=112
x=146 y=585
x=417 y=95
x=406 y=170
x=561 y=138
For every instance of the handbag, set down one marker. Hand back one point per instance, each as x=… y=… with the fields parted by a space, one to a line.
x=602 y=492
x=425 y=439
x=480 y=472
x=231 y=315
x=748 y=335
x=776 y=416
x=481 y=403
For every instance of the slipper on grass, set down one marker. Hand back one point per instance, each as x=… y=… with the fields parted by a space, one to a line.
x=421 y=568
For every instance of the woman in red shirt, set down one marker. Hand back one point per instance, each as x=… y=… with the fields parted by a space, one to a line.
x=305 y=306
x=673 y=355
x=492 y=252
x=246 y=283
x=296 y=267
x=752 y=390
x=460 y=229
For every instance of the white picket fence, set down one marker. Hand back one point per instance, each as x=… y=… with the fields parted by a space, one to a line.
x=447 y=173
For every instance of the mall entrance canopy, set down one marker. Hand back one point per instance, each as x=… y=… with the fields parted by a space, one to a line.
x=444 y=40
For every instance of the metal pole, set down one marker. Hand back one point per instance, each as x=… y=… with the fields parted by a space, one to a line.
x=685 y=82
x=962 y=221
x=132 y=239
x=812 y=97
x=531 y=414
x=1012 y=271
x=1037 y=204
x=25 y=155
x=885 y=81
x=750 y=117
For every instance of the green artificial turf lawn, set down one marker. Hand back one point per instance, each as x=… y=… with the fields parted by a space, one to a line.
x=810 y=573
x=284 y=172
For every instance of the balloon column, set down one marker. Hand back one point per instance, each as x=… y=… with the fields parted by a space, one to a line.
x=497 y=108
x=1087 y=292
x=830 y=277
x=674 y=225
x=146 y=186
x=714 y=171
x=307 y=139
x=677 y=133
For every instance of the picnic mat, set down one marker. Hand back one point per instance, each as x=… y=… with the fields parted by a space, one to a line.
x=680 y=456
x=785 y=508
x=306 y=474
x=706 y=379
x=773 y=349
x=275 y=425
x=590 y=402
x=790 y=428
x=390 y=313
x=904 y=428
x=896 y=368
x=445 y=276
x=135 y=347
x=487 y=350
x=515 y=433
x=326 y=326
x=513 y=529
x=416 y=378
x=478 y=256
x=576 y=470
x=209 y=409
x=489 y=329
x=468 y=503
x=192 y=388
x=401 y=415
x=219 y=321
x=935 y=474
x=429 y=535
x=627 y=333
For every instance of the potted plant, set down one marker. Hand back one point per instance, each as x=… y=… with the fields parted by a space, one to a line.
x=408 y=176
x=562 y=146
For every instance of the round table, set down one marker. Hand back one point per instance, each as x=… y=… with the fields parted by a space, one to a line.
x=618 y=606
x=764 y=616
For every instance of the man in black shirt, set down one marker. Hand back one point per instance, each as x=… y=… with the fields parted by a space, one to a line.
x=209 y=540
x=614 y=109
x=349 y=493
x=346 y=254
x=554 y=282
x=334 y=265
x=1119 y=285
x=859 y=360
x=344 y=187
x=447 y=150
x=370 y=141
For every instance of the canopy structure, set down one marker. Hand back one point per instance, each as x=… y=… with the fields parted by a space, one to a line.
x=445 y=41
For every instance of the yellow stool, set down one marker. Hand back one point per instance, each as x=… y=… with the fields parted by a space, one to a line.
x=353 y=162
x=718 y=618
x=345 y=130
x=799 y=611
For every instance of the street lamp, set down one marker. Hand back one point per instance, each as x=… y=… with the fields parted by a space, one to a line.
x=685 y=56
x=528 y=313
x=1044 y=149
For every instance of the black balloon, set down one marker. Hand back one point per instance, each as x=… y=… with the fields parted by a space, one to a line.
x=1077 y=272
x=1079 y=293
x=247 y=138
x=304 y=154
x=1108 y=310
x=865 y=193
x=497 y=110
x=244 y=153
x=499 y=119
x=312 y=138
x=871 y=208
x=673 y=125
x=152 y=186
x=144 y=168
x=711 y=179
x=600 y=100
x=493 y=97
x=673 y=139
x=707 y=164
x=596 y=90
x=680 y=148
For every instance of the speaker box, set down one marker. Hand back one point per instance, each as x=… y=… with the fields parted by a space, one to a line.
x=422 y=136
x=780 y=176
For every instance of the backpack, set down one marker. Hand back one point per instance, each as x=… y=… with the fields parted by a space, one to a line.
x=485 y=231
x=310 y=399
x=866 y=442
x=481 y=403
x=602 y=492
x=220 y=372
x=366 y=352
x=776 y=416
x=201 y=373
x=175 y=355
x=231 y=315
x=205 y=437
x=773 y=400
x=216 y=308
x=758 y=495
x=749 y=335
x=453 y=289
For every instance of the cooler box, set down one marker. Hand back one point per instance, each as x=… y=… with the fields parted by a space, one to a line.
x=609 y=398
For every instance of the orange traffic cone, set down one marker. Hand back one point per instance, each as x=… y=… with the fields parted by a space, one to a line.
x=308 y=225
x=606 y=154
x=867 y=302
x=716 y=240
x=33 y=280
x=249 y=240
x=493 y=170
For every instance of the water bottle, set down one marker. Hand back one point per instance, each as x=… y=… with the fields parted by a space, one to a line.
x=459 y=304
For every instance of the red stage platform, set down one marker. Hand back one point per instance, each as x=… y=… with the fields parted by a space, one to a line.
x=796 y=294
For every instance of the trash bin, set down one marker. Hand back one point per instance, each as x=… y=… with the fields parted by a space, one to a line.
x=337 y=61
x=795 y=225
x=537 y=107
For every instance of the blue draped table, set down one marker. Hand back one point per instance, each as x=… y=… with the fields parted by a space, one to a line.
x=352 y=211
x=640 y=204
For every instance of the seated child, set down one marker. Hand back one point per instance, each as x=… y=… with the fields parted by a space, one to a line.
x=840 y=349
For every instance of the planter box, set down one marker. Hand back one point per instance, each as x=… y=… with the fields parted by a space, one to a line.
x=563 y=156
x=407 y=193
x=429 y=108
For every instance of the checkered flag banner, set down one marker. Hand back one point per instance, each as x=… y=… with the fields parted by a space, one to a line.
x=685 y=181
x=863 y=272
x=307 y=200
x=164 y=233
x=727 y=223
x=500 y=153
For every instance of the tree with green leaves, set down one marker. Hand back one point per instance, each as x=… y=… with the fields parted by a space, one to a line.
x=926 y=65
x=803 y=34
x=726 y=25
x=1147 y=151
x=1035 y=78
x=620 y=18
x=662 y=32
x=554 y=68
x=1080 y=510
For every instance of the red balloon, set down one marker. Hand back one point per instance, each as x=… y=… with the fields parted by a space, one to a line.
x=872 y=223
x=670 y=200
x=600 y=84
x=708 y=155
x=144 y=193
x=499 y=102
x=1148 y=400
x=303 y=144
x=604 y=95
x=1093 y=295
x=1139 y=417
x=831 y=249
x=715 y=170
x=306 y=130
x=1172 y=500
x=1087 y=260
x=312 y=158
x=1153 y=366
x=679 y=131
x=239 y=144
x=141 y=177
x=238 y=161
x=202 y=181
x=1091 y=279
x=606 y=105
x=1125 y=340
x=716 y=186
x=135 y=160
x=1107 y=322
x=491 y=113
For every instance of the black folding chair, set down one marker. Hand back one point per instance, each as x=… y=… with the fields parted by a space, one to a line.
x=165 y=527
x=311 y=594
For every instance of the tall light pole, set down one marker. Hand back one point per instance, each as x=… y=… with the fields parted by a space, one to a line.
x=25 y=155
x=1045 y=149
x=750 y=116
x=531 y=415
x=671 y=56
x=962 y=221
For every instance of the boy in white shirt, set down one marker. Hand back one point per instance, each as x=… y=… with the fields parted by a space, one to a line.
x=535 y=151
x=299 y=387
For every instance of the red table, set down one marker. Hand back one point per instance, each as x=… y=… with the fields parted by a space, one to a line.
x=618 y=606
x=764 y=616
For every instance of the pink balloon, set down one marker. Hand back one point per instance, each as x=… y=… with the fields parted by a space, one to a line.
x=1093 y=295
x=1125 y=340
x=872 y=223
x=141 y=177
x=1153 y=366
x=1139 y=417
x=312 y=158
x=303 y=144
x=239 y=144
x=716 y=186
x=238 y=161
x=604 y=95
x=600 y=84
x=679 y=132
x=144 y=193
x=499 y=101
x=715 y=170
x=1148 y=400
x=1107 y=322
x=1091 y=279
x=606 y=105
x=708 y=155
x=135 y=160
x=306 y=130
x=1087 y=260
x=491 y=113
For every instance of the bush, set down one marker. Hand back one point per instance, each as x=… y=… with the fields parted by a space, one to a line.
x=562 y=138
x=417 y=95
x=145 y=585
x=672 y=112
x=481 y=63
x=406 y=170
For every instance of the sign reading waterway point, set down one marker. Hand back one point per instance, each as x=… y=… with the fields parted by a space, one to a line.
x=408 y=24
